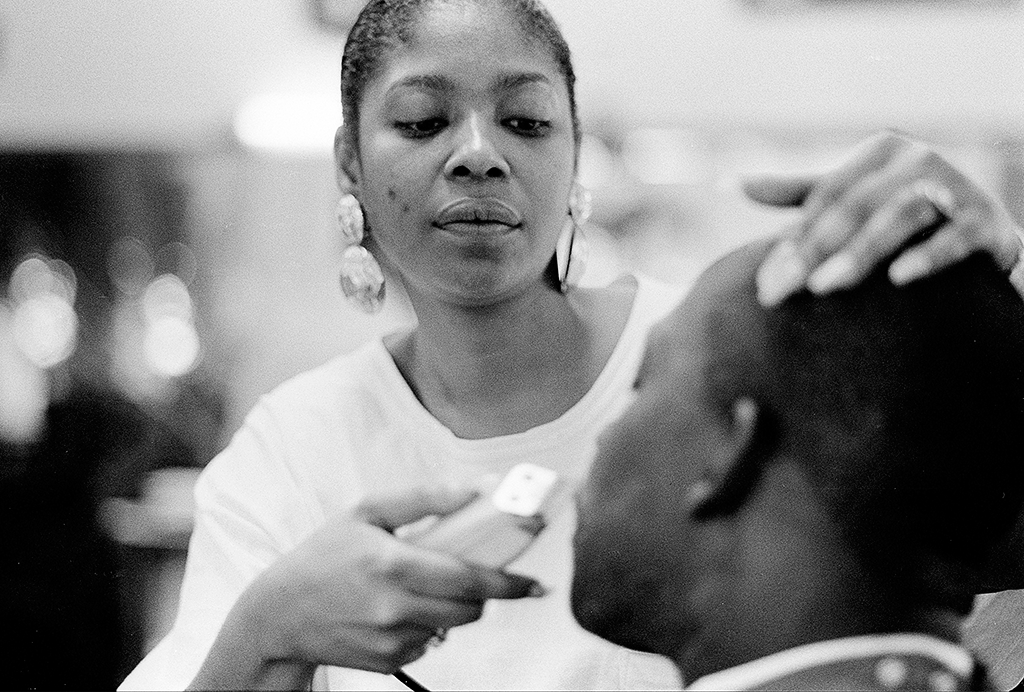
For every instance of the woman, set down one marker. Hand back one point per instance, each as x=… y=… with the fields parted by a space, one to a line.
x=459 y=146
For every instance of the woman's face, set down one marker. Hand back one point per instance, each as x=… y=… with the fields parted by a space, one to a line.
x=466 y=155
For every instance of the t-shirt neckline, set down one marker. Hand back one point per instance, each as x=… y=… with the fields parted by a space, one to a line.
x=594 y=399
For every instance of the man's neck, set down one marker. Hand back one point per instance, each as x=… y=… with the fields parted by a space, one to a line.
x=794 y=579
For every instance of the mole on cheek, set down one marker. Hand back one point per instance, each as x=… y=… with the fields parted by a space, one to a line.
x=393 y=196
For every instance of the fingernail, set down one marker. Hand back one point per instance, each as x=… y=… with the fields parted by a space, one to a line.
x=782 y=273
x=537 y=590
x=696 y=494
x=838 y=272
x=1017 y=277
x=908 y=268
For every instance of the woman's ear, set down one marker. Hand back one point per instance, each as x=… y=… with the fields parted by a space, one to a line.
x=346 y=164
x=735 y=467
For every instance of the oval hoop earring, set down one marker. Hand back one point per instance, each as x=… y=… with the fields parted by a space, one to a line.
x=572 y=248
x=362 y=280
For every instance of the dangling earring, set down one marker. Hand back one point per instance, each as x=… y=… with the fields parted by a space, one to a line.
x=362 y=280
x=572 y=248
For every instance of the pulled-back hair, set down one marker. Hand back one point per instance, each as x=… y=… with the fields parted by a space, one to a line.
x=385 y=24
x=905 y=404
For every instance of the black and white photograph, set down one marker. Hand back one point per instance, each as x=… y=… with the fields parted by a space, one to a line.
x=512 y=344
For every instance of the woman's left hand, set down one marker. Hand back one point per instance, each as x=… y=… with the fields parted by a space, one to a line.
x=863 y=211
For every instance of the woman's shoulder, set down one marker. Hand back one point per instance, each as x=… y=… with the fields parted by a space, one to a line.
x=657 y=297
x=646 y=299
x=338 y=398
x=334 y=382
x=644 y=292
x=307 y=428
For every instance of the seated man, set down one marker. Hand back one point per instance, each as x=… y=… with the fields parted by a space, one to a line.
x=808 y=496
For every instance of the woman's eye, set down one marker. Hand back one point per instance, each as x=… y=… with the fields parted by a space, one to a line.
x=528 y=126
x=421 y=128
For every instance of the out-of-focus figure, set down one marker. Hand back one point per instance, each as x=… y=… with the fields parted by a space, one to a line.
x=59 y=579
x=74 y=438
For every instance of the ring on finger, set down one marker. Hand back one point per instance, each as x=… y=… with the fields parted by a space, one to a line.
x=436 y=639
x=938 y=195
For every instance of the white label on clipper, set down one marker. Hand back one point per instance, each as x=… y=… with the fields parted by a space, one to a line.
x=524 y=490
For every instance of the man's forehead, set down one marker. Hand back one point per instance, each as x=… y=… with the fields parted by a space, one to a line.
x=677 y=340
x=725 y=290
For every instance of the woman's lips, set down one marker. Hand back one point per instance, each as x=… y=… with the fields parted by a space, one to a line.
x=477 y=215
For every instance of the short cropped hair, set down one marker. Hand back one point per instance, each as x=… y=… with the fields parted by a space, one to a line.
x=905 y=404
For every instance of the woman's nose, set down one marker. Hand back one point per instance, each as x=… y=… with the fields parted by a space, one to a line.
x=475 y=157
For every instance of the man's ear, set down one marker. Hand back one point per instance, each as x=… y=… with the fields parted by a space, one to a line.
x=735 y=467
x=346 y=164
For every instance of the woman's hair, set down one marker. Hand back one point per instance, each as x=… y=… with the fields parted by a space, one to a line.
x=385 y=24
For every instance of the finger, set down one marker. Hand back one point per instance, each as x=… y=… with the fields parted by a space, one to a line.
x=372 y=648
x=779 y=190
x=857 y=230
x=786 y=268
x=508 y=585
x=437 y=575
x=436 y=613
x=472 y=583
x=844 y=219
x=1017 y=278
x=951 y=244
x=782 y=273
x=391 y=511
x=1009 y=244
x=991 y=228
x=905 y=214
x=866 y=159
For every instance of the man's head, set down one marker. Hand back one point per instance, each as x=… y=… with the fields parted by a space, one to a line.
x=869 y=440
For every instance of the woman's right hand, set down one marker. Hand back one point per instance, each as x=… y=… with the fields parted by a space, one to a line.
x=353 y=595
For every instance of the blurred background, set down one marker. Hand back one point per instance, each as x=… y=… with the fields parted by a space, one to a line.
x=167 y=250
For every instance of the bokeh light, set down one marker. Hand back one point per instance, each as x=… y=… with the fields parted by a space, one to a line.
x=37 y=275
x=44 y=324
x=170 y=341
x=129 y=265
x=167 y=296
x=24 y=388
x=171 y=346
x=289 y=123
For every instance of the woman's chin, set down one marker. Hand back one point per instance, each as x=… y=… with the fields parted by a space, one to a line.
x=483 y=284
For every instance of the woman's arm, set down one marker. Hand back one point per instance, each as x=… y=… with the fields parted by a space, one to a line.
x=353 y=596
x=267 y=594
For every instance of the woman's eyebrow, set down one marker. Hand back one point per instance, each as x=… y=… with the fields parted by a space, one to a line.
x=430 y=82
x=440 y=83
x=514 y=80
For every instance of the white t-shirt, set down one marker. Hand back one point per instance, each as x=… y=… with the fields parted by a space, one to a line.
x=324 y=440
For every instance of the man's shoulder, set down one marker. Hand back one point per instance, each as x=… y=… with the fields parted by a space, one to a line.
x=891 y=661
